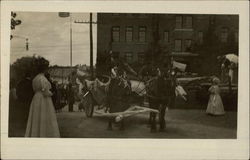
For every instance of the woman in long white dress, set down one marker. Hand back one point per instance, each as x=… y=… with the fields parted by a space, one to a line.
x=42 y=121
x=215 y=104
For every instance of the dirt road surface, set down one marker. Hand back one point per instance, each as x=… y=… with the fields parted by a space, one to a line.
x=180 y=123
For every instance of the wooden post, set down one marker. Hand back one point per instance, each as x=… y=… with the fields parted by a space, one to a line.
x=70 y=42
x=91 y=42
x=91 y=46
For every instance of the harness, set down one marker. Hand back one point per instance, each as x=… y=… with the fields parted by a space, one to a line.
x=146 y=86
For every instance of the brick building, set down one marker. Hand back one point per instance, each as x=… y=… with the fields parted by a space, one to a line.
x=133 y=36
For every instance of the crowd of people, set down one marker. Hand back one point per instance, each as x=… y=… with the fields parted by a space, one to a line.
x=38 y=98
x=34 y=101
x=228 y=70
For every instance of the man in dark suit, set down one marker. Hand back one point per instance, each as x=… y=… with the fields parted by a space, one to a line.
x=173 y=74
x=25 y=94
x=71 y=97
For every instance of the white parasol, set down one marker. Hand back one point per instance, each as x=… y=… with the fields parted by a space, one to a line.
x=232 y=58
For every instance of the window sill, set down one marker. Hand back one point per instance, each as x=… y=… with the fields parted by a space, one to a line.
x=133 y=42
x=184 y=29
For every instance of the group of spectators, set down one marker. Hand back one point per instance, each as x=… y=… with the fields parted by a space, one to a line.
x=21 y=95
x=228 y=71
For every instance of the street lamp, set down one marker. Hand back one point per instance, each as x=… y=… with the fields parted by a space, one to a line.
x=64 y=15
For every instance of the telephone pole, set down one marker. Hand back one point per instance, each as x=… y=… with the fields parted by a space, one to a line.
x=91 y=46
x=63 y=15
x=90 y=22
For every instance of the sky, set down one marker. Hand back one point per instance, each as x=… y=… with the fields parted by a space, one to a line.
x=49 y=36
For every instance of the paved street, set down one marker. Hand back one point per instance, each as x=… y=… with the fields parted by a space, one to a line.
x=180 y=123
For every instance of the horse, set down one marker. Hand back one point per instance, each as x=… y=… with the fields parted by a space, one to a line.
x=118 y=98
x=158 y=94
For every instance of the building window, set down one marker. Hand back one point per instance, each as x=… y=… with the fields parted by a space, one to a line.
x=129 y=34
x=188 y=22
x=141 y=57
x=129 y=57
x=200 y=37
x=166 y=36
x=188 y=44
x=115 y=34
x=177 y=45
x=142 y=34
x=224 y=35
x=178 y=22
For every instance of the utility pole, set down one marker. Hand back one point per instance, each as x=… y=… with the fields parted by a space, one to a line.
x=91 y=46
x=90 y=22
x=70 y=41
x=63 y=15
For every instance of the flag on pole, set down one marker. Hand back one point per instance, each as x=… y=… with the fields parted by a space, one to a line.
x=180 y=66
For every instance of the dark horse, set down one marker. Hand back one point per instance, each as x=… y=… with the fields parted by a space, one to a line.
x=158 y=93
x=118 y=98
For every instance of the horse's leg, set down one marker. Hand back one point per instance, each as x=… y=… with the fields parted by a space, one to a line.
x=110 y=124
x=162 y=118
x=122 y=125
x=153 y=123
x=150 y=119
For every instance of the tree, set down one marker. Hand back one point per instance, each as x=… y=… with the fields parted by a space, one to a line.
x=14 y=22
x=22 y=66
x=209 y=50
x=231 y=46
x=155 y=51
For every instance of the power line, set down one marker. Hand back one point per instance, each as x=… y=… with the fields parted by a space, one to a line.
x=66 y=45
x=20 y=51
x=17 y=36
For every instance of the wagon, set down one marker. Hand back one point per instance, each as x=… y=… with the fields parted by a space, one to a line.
x=94 y=99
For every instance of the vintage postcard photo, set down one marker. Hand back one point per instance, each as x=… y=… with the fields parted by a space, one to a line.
x=122 y=75
x=153 y=75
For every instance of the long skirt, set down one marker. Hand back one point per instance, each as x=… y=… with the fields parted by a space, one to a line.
x=42 y=120
x=215 y=105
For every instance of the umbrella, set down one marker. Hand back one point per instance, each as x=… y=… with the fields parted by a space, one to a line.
x=232 y=58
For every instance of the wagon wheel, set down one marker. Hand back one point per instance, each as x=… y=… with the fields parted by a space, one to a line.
x=89 y=105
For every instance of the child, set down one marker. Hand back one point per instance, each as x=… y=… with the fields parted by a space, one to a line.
x=215 y=105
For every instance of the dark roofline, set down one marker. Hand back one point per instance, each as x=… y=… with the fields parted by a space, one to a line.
x=74 y=67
